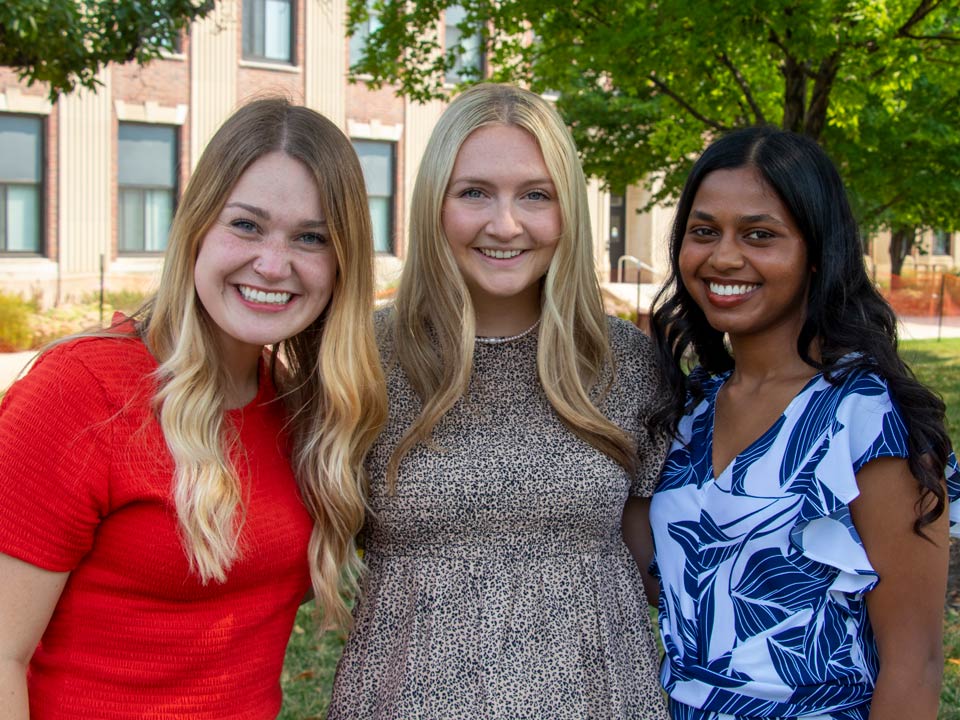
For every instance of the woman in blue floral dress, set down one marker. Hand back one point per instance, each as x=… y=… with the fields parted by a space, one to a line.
x=800 y=524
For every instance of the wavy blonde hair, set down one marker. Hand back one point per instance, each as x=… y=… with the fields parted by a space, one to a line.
x=331 y=378
x=434 y=321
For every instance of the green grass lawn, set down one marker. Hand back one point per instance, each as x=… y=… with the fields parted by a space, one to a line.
x=938 y=365
x=308 y=671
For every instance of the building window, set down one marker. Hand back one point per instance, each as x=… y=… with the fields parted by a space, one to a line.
x=268 y=30
x=466 y=48
x=21 y=183
x=377 y=160
x=363 y=31
x=147 y=181
x=941 y=243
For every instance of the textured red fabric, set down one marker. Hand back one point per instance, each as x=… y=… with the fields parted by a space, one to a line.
x=85 y=487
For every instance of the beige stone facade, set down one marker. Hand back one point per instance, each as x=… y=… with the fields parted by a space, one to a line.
x=71 y=233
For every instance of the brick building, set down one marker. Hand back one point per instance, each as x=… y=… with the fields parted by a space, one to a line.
x=88 y=184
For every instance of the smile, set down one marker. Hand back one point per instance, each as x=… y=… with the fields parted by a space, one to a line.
x=499 y=254
x=265 y=298
x=728 y=290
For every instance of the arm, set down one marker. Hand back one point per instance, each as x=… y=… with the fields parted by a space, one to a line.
x=906 y=606
x=28 y=595
x=639 y=538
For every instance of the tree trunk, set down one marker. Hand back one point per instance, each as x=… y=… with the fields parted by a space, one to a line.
x=901 y=243
x=794 y=94
x=815 y=119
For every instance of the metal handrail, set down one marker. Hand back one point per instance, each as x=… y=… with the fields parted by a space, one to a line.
x=621 y=262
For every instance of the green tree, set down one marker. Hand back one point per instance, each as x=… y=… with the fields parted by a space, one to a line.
x=646 y=85
x=65 y=42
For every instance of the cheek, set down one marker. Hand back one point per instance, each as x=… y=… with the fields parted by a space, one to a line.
x=688 y=262
x=550 y=232
x=548 y=249
x=456 y=227
x=203 y=269
x=323 y=272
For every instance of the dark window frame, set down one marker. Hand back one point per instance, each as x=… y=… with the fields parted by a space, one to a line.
x=391 y=198
x=358 y=40
x=41 y=185
x=251 y=55
x=942 y=243
x=143 y=188
x=454 y=76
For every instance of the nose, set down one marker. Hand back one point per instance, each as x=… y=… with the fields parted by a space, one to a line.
x=272 y=261
x=504 y=223
x=726 y=253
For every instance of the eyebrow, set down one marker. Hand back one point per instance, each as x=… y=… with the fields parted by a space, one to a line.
x=264 y=215
x=487 y=181
x=762 y=217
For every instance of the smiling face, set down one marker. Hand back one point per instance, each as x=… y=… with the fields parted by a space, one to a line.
x=502 y=220
x=742 y=259
x=266 y=268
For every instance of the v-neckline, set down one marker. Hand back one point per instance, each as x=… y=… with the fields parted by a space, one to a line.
x=715 y=476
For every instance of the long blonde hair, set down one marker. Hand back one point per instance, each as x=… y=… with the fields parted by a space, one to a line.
x=434 y=321
x=332 y=378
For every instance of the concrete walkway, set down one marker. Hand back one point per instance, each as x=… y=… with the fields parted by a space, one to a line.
x=910 y=329
x=925 y=328
x=10 y=366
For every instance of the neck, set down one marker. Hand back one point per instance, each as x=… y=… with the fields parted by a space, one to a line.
x=759 y=360
x=242 y=375
x=504 y=317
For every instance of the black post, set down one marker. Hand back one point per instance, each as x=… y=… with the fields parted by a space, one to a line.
x=940 y=306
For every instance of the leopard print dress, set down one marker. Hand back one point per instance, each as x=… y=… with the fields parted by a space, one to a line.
x=498 y=586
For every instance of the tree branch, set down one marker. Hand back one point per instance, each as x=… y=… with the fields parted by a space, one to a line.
x=815 y=118
x=882 y=208
x=774 y=38
x=685 y=105
x=795 y=86
x=946 y=38
x=920 y=12
x=744 y=87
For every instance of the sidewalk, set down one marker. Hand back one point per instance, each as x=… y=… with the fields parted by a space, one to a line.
x=910 y=329
x=10 y=366
x=926 y=328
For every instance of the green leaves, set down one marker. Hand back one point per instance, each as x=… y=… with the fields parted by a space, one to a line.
x=646 y=85
x=65 y=43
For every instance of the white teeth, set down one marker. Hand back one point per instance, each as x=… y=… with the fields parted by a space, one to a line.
x=718 y=289
x=500 y=254
x=266 y=298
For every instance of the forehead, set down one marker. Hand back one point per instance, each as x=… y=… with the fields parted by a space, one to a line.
x=738 y=186
x=276 y=167
x=492 y=145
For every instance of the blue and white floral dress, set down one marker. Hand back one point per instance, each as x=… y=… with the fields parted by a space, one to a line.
x=762 y=573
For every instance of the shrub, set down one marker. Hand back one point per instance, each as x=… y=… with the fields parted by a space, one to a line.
x=125 y=301
x=15 y=314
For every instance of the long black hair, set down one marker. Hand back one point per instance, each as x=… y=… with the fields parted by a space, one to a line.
x=851 y=322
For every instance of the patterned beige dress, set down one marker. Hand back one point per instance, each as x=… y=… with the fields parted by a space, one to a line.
x=498 y=585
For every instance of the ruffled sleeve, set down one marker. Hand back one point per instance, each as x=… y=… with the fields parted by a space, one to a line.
x=853 y=423
x=953 y=493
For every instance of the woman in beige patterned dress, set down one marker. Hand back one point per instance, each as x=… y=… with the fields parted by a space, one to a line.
x=497 y=584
